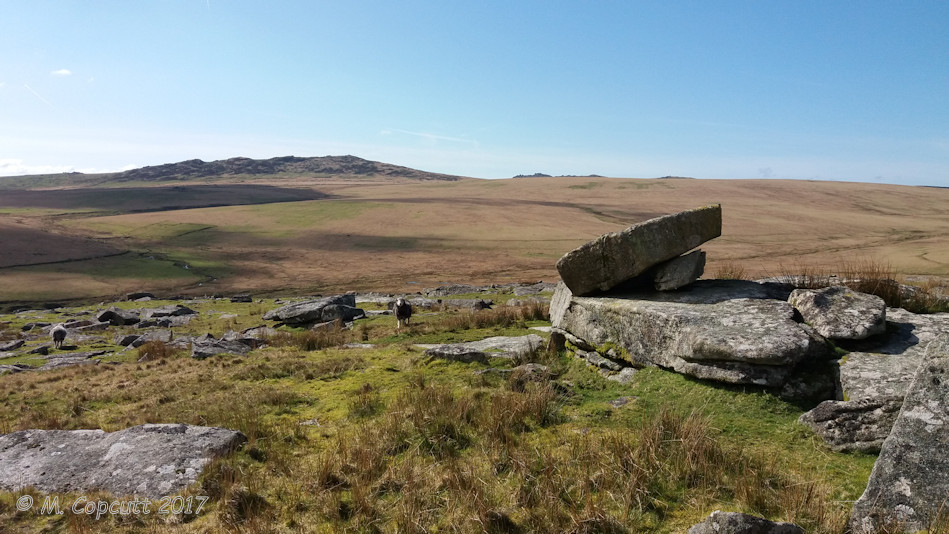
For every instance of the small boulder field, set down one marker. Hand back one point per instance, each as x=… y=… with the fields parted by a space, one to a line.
x=632 y=395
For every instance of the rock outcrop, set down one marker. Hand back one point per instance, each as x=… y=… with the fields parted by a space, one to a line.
x=908 y=488
x=149 y=460
x=874 y=382
x=727 y=331
x=480 y=351
x=321 y=310
x=613 y=258
x=838 y=312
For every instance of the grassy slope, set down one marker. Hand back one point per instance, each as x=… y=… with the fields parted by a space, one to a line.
x=401 y=443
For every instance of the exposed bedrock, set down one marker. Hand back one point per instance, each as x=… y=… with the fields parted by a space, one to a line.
x=908 y=487
x=724 y=330
x=148 y=460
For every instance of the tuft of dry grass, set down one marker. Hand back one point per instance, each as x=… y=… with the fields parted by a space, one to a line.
x=156 y=350
x=870 y=276
x=311 y=340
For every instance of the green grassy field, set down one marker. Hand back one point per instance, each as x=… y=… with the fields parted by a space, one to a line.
x=383 y=439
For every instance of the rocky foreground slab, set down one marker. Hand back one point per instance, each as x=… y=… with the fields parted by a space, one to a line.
x=151 y=461
x=909 y=487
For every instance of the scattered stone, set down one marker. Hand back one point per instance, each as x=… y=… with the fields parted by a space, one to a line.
x=453 y=289
x=624 y=376
x=165 y=336
x=11 y=345
x=125 y=340
x=613 y=258
x=118 y=317
x=200 y=351
x=149 y=460
x=533 y=289
x=138 y=295
x=594 y=359
x=908 y=485
x=839 y=312
x=71 y=325
x=456 y=353
x=14 y=368
x=30 y=326
x=69 y=359
x=737 y=523
x=42 y=350
x=316 y=311
x=261 y=333
x=859 y=425
x=93 y=327
x=241 y=298
x=622 y=401
x=173 y=310
x=679 y=272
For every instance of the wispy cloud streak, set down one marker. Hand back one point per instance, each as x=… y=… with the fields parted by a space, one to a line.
x=37 y=95
x=434 y=138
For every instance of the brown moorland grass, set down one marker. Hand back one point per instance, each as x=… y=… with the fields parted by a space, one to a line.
x=402 y=235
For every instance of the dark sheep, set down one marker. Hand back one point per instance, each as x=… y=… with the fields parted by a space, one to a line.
x=58 y=333
x=403 y=312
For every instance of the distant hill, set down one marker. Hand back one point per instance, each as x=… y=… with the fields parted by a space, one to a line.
x=342 y=166
x=326 y=165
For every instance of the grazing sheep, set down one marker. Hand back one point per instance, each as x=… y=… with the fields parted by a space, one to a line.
x=58 y=333
x=403 y=312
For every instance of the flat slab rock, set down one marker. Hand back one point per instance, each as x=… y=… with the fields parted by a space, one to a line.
x=613 y=258
x=908 y=484
x=886 y=369
x=494 y=347
x=704 y=331
x=151 y=460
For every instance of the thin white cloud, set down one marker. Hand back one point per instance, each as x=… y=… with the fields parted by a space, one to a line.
x=37 y=95
x=62 y=72
x=432 y=138
x=17 y=167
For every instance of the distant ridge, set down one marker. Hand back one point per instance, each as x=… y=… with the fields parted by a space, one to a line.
x=329 y=165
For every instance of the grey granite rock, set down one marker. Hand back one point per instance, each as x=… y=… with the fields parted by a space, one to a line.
x=316 y=311
x=737 y=523
x=848 y=426
x=149 y=460
x=909 y=485
x=613 y=258
x=839 y=312
x=710 y=331
x=679 y=272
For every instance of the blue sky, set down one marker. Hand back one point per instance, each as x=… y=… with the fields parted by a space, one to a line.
x=828 y=90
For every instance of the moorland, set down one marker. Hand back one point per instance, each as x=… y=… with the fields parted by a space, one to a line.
x=335 y=224
x=358 y=429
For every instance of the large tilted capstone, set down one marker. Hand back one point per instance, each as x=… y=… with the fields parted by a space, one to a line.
x=614 y=258
x=149 y=460
x=909 y=486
